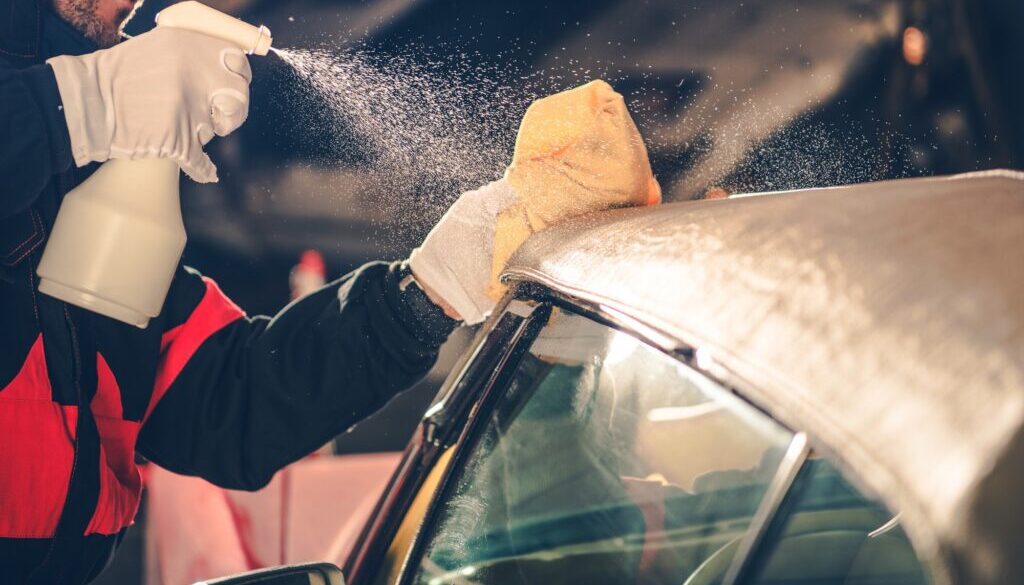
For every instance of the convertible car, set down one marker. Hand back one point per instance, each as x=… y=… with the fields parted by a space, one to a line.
x=813 y=387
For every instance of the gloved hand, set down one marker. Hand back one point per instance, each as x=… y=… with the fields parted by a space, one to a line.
x=162 y=94
x=577 y=152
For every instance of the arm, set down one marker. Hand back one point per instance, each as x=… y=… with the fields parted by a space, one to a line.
x=238 y=398
x=36 y=144
x=258 y=394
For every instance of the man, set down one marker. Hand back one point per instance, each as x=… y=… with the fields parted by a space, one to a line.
x=205 y=390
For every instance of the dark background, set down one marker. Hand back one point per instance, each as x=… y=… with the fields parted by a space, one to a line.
x=745 y=95
x=748 y=95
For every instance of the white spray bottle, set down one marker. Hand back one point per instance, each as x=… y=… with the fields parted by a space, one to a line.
x=118 y=236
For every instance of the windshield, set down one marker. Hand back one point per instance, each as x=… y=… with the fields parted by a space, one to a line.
x=605 y=461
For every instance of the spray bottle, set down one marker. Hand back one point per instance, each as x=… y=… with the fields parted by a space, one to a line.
x=119 y=235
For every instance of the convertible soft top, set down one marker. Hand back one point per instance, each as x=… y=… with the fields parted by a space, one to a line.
x=885 y=319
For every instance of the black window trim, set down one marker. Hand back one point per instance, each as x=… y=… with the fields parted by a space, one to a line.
x=433 y=435
x=449 y=406
x=527 y=330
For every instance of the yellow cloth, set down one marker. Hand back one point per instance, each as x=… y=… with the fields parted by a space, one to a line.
x=577 y=152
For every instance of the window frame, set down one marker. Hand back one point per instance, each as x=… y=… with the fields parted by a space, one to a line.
x=486 y=399
x=476 y=404
x=442 y=426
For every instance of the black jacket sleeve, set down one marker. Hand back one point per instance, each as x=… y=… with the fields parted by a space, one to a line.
x=238 y=398
x=35 y=144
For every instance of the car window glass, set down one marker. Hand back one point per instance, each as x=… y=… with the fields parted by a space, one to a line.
x=831 y=534
x=604 y=461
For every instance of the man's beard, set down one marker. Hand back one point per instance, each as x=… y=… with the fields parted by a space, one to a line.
x=82 y=15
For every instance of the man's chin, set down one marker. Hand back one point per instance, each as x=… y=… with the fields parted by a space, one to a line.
x=110 y=34
x=107 y=38
x=102 y=36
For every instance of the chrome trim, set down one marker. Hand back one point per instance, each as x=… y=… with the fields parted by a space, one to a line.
x=644 y=327
x=889 y=526
x=792 y=462
x=649 y=323
x=653 y=336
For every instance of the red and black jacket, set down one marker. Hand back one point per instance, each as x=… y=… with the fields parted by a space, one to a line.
x=204 y=390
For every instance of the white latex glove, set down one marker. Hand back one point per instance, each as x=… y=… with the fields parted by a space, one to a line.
x=455 y=259
x=162 y=94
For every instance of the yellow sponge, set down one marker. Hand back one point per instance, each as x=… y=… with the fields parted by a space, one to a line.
x=577 y=152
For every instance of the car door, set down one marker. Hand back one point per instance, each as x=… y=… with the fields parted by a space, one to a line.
x=592 y=456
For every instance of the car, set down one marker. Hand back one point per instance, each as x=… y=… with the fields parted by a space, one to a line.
x=822 y=386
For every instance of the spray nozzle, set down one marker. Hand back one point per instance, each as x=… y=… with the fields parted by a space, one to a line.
x=196 y=17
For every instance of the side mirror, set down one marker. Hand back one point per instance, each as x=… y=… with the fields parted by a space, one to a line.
x=305 y=574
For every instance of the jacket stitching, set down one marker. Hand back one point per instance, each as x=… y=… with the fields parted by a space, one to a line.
x=36 y=226
x=35 y=301
x=35 y=230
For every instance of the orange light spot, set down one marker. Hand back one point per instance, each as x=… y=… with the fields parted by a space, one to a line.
x=915 y=45
x=716 y=193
